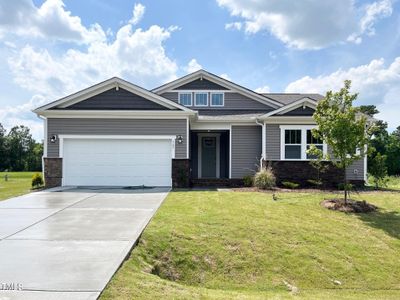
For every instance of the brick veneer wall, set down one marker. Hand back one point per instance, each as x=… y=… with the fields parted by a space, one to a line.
x=52 y=172
x=181 y=173
x=301 y=171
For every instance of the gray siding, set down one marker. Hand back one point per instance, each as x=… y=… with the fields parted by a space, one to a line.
x=273 y=142
x=300 y=111
x=356 y=170
x=231 y=101
x=201 y=85
x=118 y=100
x=246 y=150
x=116 y=127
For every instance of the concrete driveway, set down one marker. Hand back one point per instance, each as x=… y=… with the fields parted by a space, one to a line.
x=67 y=244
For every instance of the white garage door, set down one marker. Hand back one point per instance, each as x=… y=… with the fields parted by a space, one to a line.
x=116 y=162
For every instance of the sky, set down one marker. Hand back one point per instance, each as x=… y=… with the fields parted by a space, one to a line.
x=52 y=48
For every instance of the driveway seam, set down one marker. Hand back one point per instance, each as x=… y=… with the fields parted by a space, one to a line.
x=33 y=224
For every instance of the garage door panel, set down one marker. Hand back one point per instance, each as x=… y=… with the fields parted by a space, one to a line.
x=117 y=162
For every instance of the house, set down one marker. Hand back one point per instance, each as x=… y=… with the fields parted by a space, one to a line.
x=199 y=129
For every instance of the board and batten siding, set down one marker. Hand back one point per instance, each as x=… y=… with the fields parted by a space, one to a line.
x=273 y=152
x=231 y=101
x=116 y=127
x=246 y=150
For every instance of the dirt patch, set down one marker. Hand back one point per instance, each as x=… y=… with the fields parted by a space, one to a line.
x=352 y=206
x=165 y=268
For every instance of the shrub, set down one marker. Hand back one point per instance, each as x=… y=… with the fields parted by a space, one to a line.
x=248 y=180
x=37 y=180
x=348 y=186
x=290 y=185
x=378 y=170
x=265 y=179
x=315 y=182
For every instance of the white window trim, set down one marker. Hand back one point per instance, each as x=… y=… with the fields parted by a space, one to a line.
x=191 y=98
x=303 y=144
x=200 y=92
x=223 y=99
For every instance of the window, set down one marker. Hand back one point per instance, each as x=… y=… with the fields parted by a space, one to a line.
x=292 y=144
x=201 y=99
x=311 y=140
x=217 y=99
x=296 y=140
x=185 y=99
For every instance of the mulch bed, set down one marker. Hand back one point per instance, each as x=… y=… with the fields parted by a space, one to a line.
x=352 y=206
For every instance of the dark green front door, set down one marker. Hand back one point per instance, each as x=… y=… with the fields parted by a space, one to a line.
x=208 y=157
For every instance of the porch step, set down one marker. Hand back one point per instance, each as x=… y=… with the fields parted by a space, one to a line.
x=216 y=182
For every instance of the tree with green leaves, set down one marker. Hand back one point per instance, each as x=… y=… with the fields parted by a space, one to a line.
x=378 y=170
x=343 y=128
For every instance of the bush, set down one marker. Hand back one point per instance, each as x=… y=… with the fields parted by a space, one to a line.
x=248 y=180
x=290 y=185
x=348 y=186
x=317 y=183
x=378 y=170
x=265 y=179
x=37 y=180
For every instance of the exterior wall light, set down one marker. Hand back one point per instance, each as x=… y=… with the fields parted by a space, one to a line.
x=179 y=139
x=53 y=138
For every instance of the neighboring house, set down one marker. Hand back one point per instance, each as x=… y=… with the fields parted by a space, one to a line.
x=199 y=129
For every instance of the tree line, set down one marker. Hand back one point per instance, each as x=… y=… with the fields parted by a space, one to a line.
x=19 y=151
x=385 y=146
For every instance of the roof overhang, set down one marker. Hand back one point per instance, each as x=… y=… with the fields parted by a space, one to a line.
x=218 y=80
x=292 y=106
x=117 y=114
x=114 y=82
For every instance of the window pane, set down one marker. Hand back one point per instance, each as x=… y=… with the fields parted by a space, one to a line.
x=185 y=99
x=293 y=152
x=311 y=139
x=309 y=156
x=201 y=99
x=292 y=136
x=217 y=99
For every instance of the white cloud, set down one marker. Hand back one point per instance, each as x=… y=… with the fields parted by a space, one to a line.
x=138 y=56
x=193 y=66
x=50 y=20
x=137 y=14
x=263 y=89
x=309 y=24
x=234 y=25
x=225 y=76
x=375 y=82
x=373 y=12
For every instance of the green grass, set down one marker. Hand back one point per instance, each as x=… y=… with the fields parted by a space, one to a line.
x=219 y=245
x=18 y=183
x=392 y=184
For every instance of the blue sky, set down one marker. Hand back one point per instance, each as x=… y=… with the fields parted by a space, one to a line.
x=51 y=48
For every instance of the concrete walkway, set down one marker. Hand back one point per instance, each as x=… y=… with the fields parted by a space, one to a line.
x=67 y=244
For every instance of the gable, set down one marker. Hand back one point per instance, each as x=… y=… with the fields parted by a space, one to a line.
x=201 y=84
x=114 y=99
x=300 y=111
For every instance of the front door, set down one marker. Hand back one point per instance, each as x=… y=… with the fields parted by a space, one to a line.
x=209 y=157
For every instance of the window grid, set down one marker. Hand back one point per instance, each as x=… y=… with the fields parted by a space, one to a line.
x=185 y=99
x=201 y=99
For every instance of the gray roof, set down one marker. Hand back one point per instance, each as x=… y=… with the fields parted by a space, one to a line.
x=287 y=98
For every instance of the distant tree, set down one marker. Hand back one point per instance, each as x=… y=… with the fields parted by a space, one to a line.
x=393 y=154
x=3 y=149
x=19 y=146
x=34 y=158
x=378 y=170
x=369 y=110
x=342 y=127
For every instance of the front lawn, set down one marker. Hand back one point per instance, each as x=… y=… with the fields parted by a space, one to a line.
x=18 y=183
x=218 y=245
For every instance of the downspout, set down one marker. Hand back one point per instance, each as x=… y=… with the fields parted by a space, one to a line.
x=263 y=142
x=44 y=119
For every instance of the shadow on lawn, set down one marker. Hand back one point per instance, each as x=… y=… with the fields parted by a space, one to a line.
x=388 y=221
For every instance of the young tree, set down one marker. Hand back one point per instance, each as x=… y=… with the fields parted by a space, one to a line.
x=343 y=127
x=378 y=169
